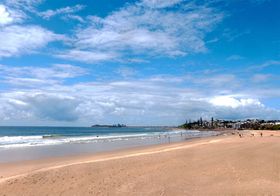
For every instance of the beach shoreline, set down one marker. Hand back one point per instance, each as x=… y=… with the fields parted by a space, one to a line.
x=10 y=169
x=24 y=148
x=194 y=159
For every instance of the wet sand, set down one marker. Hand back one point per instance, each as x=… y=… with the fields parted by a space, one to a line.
x=222 y=165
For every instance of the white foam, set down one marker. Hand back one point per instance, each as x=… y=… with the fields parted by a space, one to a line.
x=43 y=140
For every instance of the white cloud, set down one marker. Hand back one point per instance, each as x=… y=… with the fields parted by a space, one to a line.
x=233 y=102
x=53 y=107
x=74 y=17
x=28 y=82
x=27 y=76
x=32 y=94
x=143 y=101
x=27 y=5
x=16 y=40
x=160 y=3
x=19 y=10
x=144 y=29
x=140 y=30
x=38 y=106
x=87 y=56
x=5 y=16
x=10 y=15
x=65 y=10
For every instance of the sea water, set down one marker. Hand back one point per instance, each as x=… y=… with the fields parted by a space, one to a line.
x=27 y=143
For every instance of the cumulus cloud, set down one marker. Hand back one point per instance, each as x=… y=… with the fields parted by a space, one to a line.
x=17 y=37
x=38 y=106
x=5 y=16
x=143 y=101
x=232 y=102
x=230 y=107
x=143 y=28
x=16 y=40
x=40 y=94
x=53 y=107
x=9 y=15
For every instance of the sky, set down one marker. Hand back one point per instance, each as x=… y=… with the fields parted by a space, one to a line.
x=145 y=62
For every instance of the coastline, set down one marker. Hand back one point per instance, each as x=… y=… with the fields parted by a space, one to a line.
x=216 y=165
x=38 y=147
x=19 y=168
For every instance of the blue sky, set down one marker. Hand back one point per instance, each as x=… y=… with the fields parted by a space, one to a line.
x=146 y=62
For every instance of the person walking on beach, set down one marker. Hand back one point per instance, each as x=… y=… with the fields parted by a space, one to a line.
x=261 y=134
x=240 y=135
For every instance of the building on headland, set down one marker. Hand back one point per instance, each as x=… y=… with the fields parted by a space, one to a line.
x=255 y=124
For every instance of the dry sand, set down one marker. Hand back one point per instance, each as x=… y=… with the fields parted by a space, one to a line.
x=224 y=165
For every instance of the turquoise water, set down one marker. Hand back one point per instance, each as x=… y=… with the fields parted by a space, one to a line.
x=76 y=131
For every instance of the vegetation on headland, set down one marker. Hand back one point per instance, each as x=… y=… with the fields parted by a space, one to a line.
x=273 y=127
x=110 y=126
x=253 y=124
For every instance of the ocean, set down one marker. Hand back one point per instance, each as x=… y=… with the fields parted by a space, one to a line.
x=26 y=143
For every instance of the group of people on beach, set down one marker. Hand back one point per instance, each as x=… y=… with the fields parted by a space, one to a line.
x=252 y=134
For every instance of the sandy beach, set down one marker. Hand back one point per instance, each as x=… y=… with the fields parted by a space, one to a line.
x=221 y=165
